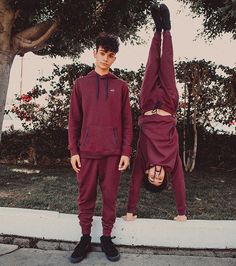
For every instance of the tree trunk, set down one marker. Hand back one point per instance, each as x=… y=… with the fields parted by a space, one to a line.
x=184 y=129
x=7 y=18
x=5 y=68
x=194 y=152
x=30 y=39
x=188 y=149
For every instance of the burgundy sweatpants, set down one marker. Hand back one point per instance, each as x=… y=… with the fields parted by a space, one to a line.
x=159 y=86
x=104 y=172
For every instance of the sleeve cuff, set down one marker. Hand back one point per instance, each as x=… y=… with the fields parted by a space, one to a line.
x=181 y=212
x=74 y=152
x=131 y=210
x=126 y=151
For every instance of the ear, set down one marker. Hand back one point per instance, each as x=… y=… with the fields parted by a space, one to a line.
x=94 y=53
x=113 y=60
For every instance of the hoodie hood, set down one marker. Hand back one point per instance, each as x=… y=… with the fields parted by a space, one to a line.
x=94 y=74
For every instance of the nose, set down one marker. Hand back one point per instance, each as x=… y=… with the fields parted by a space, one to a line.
x=105 y=57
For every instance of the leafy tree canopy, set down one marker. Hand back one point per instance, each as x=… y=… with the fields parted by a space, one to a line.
x=81 y=21
x=219 y=16
x=213 y=88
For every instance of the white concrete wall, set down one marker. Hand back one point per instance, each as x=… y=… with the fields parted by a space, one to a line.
x=142 y=232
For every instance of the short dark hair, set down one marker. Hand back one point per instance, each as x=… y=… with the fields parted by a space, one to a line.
x=108 y=42
x=152 y=188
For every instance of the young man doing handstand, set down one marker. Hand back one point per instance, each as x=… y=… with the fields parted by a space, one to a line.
x=158 y=148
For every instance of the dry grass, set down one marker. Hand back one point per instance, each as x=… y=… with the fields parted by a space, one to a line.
x=210 y=195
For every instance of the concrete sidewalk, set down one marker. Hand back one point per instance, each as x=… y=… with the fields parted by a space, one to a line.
x=51 y=225
x=35 y=237
x=11 y=255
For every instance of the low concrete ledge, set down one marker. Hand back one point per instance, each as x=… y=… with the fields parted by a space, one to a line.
x=5 y=249
x=199 y=234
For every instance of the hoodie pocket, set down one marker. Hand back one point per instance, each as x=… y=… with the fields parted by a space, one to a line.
x=100 y=139
x=86 y=137
x=172 y=133
x=115 y=135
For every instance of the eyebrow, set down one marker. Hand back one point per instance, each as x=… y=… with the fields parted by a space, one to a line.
x=103 y=50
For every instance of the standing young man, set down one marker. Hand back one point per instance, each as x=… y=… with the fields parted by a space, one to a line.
x=100 y=135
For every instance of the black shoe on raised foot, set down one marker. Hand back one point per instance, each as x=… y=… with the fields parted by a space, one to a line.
x=81 y=250
x=109 y=248
x=156 y=15
x=165 y=17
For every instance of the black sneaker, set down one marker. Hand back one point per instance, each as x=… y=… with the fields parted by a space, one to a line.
x=109 y=248
x=81 y=249
x=156 y=15
x=165 y=17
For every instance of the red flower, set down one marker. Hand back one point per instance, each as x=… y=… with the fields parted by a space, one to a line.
x=26 y=98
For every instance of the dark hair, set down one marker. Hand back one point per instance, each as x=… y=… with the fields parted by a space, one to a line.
x=108 y=42
x=152 y=188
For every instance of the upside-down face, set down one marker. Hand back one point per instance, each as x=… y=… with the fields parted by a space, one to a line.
x=156 y=175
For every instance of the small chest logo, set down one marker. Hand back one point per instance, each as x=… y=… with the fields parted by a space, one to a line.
x=112 y=90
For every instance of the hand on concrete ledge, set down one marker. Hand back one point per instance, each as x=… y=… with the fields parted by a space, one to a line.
x=181 y=218
x=129 y=217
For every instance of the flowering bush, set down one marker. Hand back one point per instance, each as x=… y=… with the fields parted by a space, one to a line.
x=44 y=108
x=41 y=109
x=28 y=110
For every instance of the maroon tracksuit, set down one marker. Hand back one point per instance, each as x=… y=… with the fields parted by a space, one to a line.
x=158 y=139
x=100 y=131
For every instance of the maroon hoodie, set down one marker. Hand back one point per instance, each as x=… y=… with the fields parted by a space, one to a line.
x=100 y=121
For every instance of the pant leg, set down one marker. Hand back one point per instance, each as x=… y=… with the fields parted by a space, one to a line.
x=87 y=180
x=152 y=70
x=178 y=186
x=167 y=71
x=138 y=173
x=109 y=179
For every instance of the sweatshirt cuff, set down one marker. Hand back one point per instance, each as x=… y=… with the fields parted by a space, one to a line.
x=131 y=210
x=181 y=212
x=126 y=151
x=74 y=152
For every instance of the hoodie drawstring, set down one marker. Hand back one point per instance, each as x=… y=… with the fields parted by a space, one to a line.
x=106 y=88
x=97 y=87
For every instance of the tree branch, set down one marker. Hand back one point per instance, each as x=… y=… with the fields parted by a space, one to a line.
x=34 y=38
x=16 y=15
x=101 y=8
